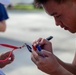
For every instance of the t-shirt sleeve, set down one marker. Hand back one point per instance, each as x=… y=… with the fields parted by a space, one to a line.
x=3 y=13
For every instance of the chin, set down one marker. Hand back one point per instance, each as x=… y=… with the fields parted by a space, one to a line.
x=72 y=31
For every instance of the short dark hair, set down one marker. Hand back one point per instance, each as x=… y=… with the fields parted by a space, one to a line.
x=39 y=2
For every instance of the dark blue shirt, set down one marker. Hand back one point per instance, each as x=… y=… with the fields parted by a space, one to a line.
x=3 y=13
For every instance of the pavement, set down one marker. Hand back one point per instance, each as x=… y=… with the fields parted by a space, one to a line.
x=24 y=26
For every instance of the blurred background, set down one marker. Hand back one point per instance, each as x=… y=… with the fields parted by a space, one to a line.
x=27 y=23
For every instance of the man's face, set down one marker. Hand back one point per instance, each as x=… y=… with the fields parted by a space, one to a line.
x=64 y=14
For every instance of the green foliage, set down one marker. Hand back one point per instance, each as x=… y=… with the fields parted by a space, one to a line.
x=24 y=7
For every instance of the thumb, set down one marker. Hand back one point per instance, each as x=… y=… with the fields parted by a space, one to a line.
x=46 y=53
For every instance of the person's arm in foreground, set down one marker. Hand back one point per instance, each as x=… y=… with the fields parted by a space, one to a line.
x=3 y=18
x=4 y=56
x=66 y=68
x=69 y=66
x=2 y=26
x=49 y=64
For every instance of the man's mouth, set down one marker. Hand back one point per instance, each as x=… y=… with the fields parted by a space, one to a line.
x=66 y=28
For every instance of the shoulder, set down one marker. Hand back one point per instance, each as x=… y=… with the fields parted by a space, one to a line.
x=1 y=6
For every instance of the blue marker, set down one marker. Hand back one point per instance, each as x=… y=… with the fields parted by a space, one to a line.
x=38 y=46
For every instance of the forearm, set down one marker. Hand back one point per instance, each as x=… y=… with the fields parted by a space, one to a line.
x=70 y=67
x=61 y=71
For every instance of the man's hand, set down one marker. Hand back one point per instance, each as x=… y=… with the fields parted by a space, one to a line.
x=47 y=64
x=4 y=56
x=45 y=44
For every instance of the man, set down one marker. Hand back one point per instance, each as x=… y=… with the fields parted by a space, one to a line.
x=3 y=17
x=64 y=13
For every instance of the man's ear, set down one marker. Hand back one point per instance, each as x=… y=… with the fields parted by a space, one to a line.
x=74 y=3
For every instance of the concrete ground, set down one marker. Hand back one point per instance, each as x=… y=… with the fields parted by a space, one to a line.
x=27 y=26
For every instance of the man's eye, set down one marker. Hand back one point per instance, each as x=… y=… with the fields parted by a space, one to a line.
x=57 y=16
